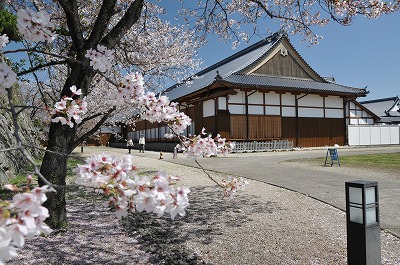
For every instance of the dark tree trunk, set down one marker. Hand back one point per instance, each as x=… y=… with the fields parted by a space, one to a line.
x=60 y=145
x=61 y=137
x=54 y=168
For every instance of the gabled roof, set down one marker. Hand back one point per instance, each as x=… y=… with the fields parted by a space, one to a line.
x=243 y=68
x=385 y=107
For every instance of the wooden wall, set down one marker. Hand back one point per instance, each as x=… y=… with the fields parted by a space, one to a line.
x=283 y=66
x=260 y=127
x=314 y=131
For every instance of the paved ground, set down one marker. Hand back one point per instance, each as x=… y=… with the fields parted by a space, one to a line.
x=317 y=181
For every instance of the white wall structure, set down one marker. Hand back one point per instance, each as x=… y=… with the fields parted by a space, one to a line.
x=256 y=98
x=272 y=98
x=208 y=108
x=359 y=116
x=373 y=135
x=222 y=103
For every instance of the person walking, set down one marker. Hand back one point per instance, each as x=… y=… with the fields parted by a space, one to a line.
x=142 y=142
x=129 y=144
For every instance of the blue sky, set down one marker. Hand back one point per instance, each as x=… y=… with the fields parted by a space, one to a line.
x=364 y=54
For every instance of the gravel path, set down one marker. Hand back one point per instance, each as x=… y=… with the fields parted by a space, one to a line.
x=261 y=225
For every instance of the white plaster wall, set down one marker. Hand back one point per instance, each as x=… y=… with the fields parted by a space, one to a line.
x=311 y=112
x=236 y=109
x=222 y=103
x=333 y=113
x=375 y=135
x=288 y=112
x=256 y=110
x=208 y=108
x=311 y=101
x=272 y=110
x=238 y=98
x=362 y=122
x=333 y=102
x=272 y=98
x=385 y=135
x=354 y=121
x=352 y=114
x=288 y=99
x=256 y=98
x=395 y=134
x=365 y=138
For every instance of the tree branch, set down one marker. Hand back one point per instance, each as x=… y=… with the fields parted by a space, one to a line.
x=130 y=17
x=94 y=129
x=70 y=8
x=37 y=67
x=101 y=23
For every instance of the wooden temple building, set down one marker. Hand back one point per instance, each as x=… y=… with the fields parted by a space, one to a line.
x=265 y=92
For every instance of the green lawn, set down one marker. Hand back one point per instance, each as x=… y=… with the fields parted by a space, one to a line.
x=20 y=180
x=385 y=162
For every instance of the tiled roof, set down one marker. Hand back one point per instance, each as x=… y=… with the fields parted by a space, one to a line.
x=224 y=68
x=381 y=107
x=228 y=70
x=291 y=84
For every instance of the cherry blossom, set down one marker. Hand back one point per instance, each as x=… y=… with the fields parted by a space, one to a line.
x=35 y=26
x=115 y=178
x=101 y=58
x=23 y=217
x=200 y=146
x=7 y=77
x=233 y=184
x=3 y=40
x=68 y=110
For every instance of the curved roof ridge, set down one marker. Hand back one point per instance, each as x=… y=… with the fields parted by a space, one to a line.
x=274 y=37
x=380 y=100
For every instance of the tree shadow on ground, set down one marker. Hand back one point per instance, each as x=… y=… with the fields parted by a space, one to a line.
x=93 y=236
x=208 y=215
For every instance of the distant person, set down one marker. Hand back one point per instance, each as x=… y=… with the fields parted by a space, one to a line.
x=129 y=144
x=142 y=142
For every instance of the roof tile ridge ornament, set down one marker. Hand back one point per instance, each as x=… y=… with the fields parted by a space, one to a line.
x=218 y=77
x=283 y=33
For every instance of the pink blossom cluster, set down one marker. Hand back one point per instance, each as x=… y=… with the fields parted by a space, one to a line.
x=101 y=58
x=115 y=178
x=7 y=77
x=154 y=109
x=232 y=184
x=131 y=88
x=370 y=8
x=205 y=146
x=160 y=109
x=3 y=40
x=23 y=217
x=67 y=109
x=35 y=26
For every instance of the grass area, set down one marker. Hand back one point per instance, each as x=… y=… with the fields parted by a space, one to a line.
x=20 y=179
x=384 y=162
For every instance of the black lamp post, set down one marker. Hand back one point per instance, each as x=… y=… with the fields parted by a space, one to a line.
x=363 y=228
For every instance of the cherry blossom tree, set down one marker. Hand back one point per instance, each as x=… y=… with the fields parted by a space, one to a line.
x=97 y=56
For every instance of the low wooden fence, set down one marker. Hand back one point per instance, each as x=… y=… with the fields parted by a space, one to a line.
x=278 y=145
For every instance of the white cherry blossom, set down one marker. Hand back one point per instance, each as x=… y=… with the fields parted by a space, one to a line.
x=7 y=77
x=3 y=40
x=35 y=26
